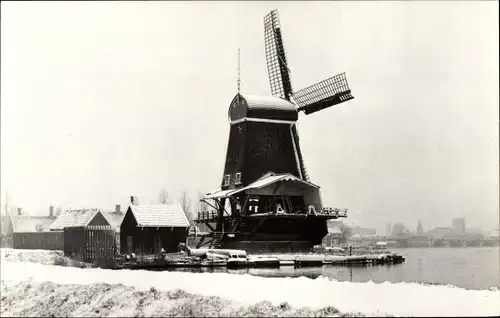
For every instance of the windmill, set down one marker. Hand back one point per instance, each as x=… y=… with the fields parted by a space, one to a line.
x=265 y=194
x=324 y=94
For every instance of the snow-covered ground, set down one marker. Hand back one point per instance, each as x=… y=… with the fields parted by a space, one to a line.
x=39 y=256
x=400 y=299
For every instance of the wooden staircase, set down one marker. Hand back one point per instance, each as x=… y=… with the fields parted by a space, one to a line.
x=217 y=236
x=215 y=243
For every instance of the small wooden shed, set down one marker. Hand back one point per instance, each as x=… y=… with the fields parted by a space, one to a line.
x=146 y=229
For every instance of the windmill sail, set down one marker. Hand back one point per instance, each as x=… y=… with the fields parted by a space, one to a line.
x=279 y=73
x=326 y=93
x=295 y=135
x=329 y=92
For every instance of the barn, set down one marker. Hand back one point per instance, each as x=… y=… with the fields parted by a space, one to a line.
x=146 y=229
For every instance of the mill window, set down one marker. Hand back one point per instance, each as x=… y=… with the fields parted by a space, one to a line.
x=238 y=178
x=227 y=179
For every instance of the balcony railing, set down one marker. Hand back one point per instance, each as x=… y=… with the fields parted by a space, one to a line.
x=207 y=215
x=340 y=213
x=212 y=215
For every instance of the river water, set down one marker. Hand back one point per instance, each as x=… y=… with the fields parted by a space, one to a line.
x=470 y=268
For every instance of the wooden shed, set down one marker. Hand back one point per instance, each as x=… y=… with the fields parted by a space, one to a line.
x=146 y=229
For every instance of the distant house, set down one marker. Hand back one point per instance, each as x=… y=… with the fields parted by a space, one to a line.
x=32 y=232
x=78 y=217
x=146 y=229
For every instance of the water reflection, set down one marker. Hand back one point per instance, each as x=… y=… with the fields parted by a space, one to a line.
x=353 y=273
x=473 y=268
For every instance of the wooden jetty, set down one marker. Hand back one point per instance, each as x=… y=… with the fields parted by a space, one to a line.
x=180 y=260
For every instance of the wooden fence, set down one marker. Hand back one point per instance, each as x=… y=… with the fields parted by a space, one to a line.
x=90 y=243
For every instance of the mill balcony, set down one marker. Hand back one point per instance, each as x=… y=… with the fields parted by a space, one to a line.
x=339 y=213
x=207 y=216
x=212 y=215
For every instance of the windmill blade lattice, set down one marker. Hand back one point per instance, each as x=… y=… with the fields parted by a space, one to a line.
x=279 y=73
x=329 y=92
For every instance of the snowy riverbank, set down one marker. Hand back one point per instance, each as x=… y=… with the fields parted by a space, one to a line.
x=237 y=292
x=45 y=257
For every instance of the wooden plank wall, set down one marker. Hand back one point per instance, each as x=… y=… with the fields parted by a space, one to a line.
x=38 y=240
x=90 y=243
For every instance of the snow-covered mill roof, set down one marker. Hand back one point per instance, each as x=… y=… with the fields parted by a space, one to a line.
x=253 y=107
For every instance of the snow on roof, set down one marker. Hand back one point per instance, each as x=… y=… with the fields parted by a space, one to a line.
x=218 y=194
x=255 y=101
x=29 y=223
x=271 y=178
x=114 y=218
x=265 y=180
x=74 y=218
x=160 y=215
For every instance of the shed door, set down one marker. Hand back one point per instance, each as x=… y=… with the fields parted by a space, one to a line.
x=130 y=247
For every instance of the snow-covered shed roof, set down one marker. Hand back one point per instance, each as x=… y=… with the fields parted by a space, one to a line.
x=114 y=218
x=74 y=218
x=159 y=215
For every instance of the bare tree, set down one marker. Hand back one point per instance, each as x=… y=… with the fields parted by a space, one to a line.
x=8 y=207
x=346 y=231
x=186 y=205
x=163 y=196
x=202 y=204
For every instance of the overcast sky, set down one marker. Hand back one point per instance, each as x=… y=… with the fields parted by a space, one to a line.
x=101 y=101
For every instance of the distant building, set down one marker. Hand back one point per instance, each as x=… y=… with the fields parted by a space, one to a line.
x=474 y=230
x=438 y=232
x=399 y=229
x=77 y=218
x=364 y=232
x=147 y=229
x=420 y=229
x=494 y=234
x=32 y=232
x=458 y=225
